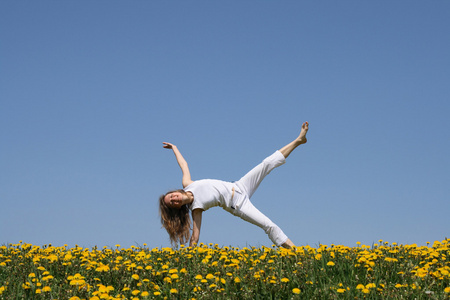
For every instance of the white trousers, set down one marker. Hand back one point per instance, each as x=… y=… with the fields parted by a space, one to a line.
x=246 y=186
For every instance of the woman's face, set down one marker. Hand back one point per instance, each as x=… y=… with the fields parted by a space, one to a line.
x=174 y=200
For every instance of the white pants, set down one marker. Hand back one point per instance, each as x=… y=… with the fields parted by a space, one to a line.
x=244 y=190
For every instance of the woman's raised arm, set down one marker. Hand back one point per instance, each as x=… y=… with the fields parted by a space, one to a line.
x=186 y=180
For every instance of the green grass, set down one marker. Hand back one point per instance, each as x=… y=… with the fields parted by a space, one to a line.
x=381 y=271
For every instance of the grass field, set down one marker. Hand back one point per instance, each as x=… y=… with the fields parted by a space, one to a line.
x=380 y=271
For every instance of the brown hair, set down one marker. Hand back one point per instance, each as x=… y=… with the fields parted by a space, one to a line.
x=176 y=221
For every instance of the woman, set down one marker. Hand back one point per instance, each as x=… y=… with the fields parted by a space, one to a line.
x=198 y=196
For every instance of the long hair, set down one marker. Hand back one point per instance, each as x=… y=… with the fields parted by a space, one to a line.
x=177 y=222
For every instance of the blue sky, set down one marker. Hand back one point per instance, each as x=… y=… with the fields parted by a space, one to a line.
x=89 y=90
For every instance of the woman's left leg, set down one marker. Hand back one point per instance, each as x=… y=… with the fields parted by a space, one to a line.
x=301 y=139
x=250 y=182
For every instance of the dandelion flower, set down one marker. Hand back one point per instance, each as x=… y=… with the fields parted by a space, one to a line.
x=330 y=263
x=173 y=291
x=371 y=285
x=26 y=285
x=341 y=291
x=296 y=291
x=284 y=279
x=135 y=276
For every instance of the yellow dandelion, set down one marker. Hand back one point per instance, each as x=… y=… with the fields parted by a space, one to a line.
x=340 y=291
x=237 y=280
x=26 y=286
x=156 y=293
x=135 y=276
x=370 y=286
x=330 y=263
x=144 y=294
x=46 y=289
x=447 y=290
x=173 y=291
x=47 y=278
x=167 y=279
x=284 y=279
x=135 y=292
x=296 y=291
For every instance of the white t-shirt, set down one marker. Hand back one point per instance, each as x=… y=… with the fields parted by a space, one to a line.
x=209 y=193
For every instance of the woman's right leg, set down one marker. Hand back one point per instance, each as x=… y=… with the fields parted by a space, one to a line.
x=251 y=214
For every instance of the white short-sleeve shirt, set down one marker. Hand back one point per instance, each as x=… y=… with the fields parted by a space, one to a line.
x=209 y=193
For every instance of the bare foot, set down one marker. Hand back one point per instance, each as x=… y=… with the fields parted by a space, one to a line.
x=288 y=244
x=302 y=137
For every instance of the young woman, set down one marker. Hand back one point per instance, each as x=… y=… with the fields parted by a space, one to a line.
x=198 y=196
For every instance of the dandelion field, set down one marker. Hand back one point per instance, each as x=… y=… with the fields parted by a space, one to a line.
x=380 y=271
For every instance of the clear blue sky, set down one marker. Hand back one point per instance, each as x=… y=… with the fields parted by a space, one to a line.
x=89 y=90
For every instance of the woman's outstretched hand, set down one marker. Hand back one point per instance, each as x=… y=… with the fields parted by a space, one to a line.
x=168 y=145
x=186 y=180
